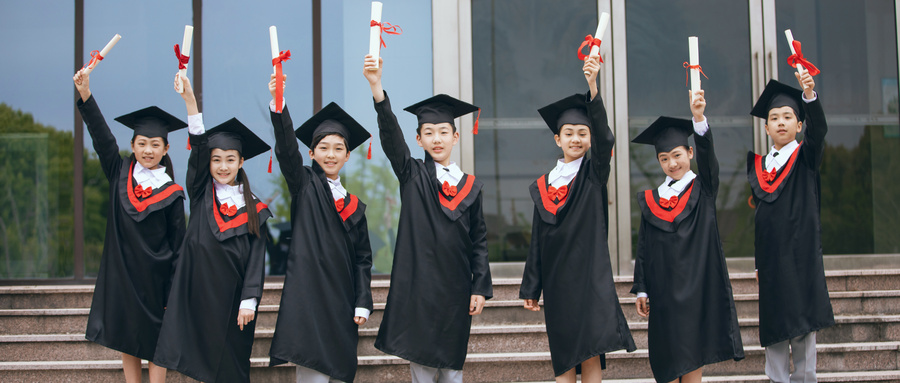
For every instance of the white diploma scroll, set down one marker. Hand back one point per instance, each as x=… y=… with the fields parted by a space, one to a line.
x=790 y=39
x=694 y=62
x=185 y=51
x=103 y=53
x=273 y=40
x=375 y=33
x=601 y=29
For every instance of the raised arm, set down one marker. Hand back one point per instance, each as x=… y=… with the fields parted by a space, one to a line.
x=707 y=163
x=197 y=177
x=392 y=141
x=286 y=147
x=602 y=139
x=815 y=127
x=102 y=138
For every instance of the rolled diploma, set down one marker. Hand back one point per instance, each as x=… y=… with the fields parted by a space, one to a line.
x=185 y=51
x=375 y=33
x=273 y=40
x=601 y=30
x=694 y=52
x=104 y=52
x=790 y=39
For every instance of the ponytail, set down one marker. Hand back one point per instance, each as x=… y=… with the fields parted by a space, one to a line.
x=170 y=170
x=252 y=214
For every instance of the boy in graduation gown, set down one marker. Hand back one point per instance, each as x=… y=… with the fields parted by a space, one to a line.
x=569 y=254
x=144 y=230
x=327 y=293
x=793 y=296
x=680 y=265
x=440 y=276
x=207 y=333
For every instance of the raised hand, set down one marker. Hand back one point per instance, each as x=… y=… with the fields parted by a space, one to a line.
x=83 y=84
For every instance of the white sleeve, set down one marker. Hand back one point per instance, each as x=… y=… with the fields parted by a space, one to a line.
x=272 y=104
x=362 y=312
x=641 y=295
x=248 y=304
x=803 y=96
x=195 y=124
x=701 y=127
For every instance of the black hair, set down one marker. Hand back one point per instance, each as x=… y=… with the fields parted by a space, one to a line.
x=166 y=161
x=318 y=138
x=252 y=214
x=452 y=126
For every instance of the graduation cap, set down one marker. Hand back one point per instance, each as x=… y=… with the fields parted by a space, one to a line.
x=776 y=95
x=442 y=108
x=570 y=110
x=666 y=133
x=151 y=122
x=233 y=135
x=333 y=120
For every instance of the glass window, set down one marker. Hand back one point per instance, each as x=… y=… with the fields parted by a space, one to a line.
x=858 y=88
x=36 y=141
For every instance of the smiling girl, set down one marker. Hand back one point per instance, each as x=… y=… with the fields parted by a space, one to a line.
x=144 y=229
x=207 y=333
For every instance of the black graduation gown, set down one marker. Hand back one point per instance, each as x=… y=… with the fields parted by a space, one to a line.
x=569 y=259
x=329 y=270
x=440 y=261
x=142 y=239
x=681 y=266
x=793 y=296
x=220 y=265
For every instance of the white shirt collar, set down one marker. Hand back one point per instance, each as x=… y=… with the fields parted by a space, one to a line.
x=564 y=172
x=337 y=190
x=150 y=177
x=666 y=191
x=777 y=161
x=450 y=173
x=232 y=195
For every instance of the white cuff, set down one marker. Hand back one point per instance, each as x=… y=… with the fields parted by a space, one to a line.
x=701 y=127
x=803 y=96
x=272 y=104
x=195 y=124
x=641 y=295
x=248 y=304
x=362 y=312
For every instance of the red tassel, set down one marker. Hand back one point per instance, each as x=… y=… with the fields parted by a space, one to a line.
x=369 y=156
x=189 y=144
x=270 y=161
x=475 y=127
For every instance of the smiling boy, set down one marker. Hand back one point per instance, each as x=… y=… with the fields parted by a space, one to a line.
x=440 y=275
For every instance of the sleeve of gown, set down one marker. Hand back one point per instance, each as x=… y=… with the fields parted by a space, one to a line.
x=481 y=269
x=531 y=277
x=602 y=139
x=176 y=231
x=638 y=286
x=363 y=267
x=707 y=163
x=197 y=176
x=815 y=129
x=255 y=272
x=392 y=141
x=102 y=138
x=288 y=151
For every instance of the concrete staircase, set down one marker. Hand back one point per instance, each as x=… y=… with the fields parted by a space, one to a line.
x=42 y=337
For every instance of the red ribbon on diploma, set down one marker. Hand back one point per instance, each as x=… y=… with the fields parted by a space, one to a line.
x=279 y=78
x=687 y=70
x=182 y=59
x=386 y=28
x=590 y=42
x=798 y=58
x=95 y=57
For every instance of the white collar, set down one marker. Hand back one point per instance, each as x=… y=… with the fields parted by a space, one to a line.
x=450 y=173
x=666 y=191
x=564 y=172
x=150 y=177
x=232 y=195
x=337 y=190
x=777 y=161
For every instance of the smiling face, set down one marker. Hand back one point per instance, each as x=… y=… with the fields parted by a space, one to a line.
x=331 y=154
x=676 y=162
x=149 y=151
x=438 y=140
x=224 y=165
x=783 y=126
x=575 y=141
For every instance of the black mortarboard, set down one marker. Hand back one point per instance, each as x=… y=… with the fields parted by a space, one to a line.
x=439 y=109
x=666 y=133
x=776 y=95
x=233 y=135
x=570 y=110
x=333 y=120
x=151 y=122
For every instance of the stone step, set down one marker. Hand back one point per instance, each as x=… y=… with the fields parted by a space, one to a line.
x=483 y=339
x=855 y=360
x=79 y=296
x=857 y=376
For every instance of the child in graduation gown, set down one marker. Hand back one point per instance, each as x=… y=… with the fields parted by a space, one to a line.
x=793 y=296
x=327 y=293
x=207 y=333
x=144 y=230
x=440 y=276
x=680 y=265
x=569 y=254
